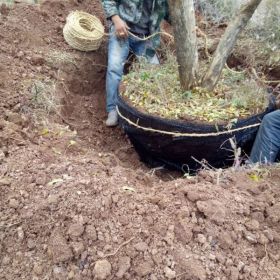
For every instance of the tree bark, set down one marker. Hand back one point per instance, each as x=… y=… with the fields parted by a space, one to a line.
x=227 y=43
x=183 y=22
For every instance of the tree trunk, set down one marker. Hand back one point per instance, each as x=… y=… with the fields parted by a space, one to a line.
x=183 y=22
x=227 y=43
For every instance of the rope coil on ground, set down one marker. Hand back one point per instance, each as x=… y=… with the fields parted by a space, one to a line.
x=83 y=31
x=181 y=134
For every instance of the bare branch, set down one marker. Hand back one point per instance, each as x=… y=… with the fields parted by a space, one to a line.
x=227 y=43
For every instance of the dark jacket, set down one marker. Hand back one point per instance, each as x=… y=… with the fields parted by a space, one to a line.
x=131 y=11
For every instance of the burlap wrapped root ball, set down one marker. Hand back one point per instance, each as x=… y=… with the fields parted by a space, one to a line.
x=83 y=31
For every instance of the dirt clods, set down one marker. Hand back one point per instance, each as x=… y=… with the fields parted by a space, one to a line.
x=102 y=269
x=76 y=202
x=58 y=248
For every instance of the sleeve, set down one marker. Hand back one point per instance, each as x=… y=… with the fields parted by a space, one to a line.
x=110 y=7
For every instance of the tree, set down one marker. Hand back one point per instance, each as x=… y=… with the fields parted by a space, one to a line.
x=183 y=20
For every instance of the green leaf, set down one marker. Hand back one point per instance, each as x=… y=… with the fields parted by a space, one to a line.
x=254 y=177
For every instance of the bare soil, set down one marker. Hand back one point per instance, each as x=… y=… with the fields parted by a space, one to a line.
x=76 y=202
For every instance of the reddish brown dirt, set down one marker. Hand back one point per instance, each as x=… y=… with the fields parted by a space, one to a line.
x=76 y=203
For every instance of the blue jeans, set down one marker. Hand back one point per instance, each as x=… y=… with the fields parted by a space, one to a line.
x=118 y=51
x=267 y=143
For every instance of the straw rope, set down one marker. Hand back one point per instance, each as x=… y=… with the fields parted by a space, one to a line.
x=85 y=32
x=179 y=134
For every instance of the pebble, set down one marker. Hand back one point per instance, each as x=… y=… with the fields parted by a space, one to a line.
x=153 y=277
x=225 y=240
x=31 y=244
x=6 y=260
x=14 y=203
x=141 y=246
x=58 y=247
x=2 y=156
x=263 y=240
x=71 y=275
x=251 y=238
x=37 y=60
x=169 y=273
x=20 y=54
x=234 y=273
x=38 y=269
x=252 y=225
x=20 y=233
x=193 y=218
x=59 y=271
x=124 y=266
x=143 y=269
x=269 y=234
x=5 y=182
x=91 y=232
x=76 y=230
x=78 y=248
x=115 y=198
x=229 y=262
x=240 y=266
x=201 y=239
x=246 y=269
x=102 y=269
x=15 y=118
x=53 y=199
x=259 y=216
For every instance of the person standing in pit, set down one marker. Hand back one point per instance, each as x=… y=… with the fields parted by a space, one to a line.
x=140 y=18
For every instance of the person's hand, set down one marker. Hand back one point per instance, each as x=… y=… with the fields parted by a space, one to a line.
x=120 y=27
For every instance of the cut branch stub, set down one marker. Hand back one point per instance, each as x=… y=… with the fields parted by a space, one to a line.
x=183 y=22
x=227 y=43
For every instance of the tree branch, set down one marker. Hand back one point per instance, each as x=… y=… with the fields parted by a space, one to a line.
x=227 y=43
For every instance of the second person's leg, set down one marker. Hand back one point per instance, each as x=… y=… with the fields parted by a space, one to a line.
x=267 y=142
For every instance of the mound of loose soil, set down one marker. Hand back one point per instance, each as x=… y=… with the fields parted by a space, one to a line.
x=75 y=202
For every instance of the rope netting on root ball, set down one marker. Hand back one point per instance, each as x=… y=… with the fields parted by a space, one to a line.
x=183 y=145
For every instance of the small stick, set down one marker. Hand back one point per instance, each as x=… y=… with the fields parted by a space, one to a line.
x=114 y=253
x=233 y=71
x=262 y=80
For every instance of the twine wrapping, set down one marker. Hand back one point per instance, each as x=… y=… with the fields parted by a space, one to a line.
x=83 y=31
x=186 y=134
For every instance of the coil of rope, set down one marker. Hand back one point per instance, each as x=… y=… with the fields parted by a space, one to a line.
x=85 y=32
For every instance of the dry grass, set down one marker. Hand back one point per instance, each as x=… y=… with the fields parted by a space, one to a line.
x=56 y=57
x=44 y=99
x=156 y=90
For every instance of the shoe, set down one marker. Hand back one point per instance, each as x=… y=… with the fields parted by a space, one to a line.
x=112 y=119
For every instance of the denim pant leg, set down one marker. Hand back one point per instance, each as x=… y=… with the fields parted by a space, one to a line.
x=267 y=143
x=139 y=48
x=118 y=51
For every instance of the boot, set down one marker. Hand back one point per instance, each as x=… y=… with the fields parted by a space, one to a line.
x=112 y=119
